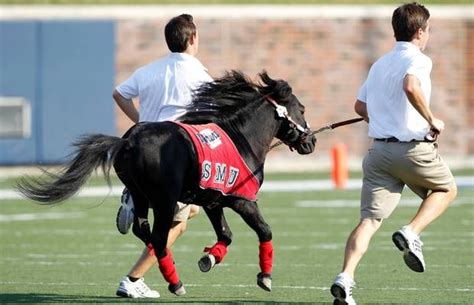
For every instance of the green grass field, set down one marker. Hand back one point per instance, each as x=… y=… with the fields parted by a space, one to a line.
x=72 y=253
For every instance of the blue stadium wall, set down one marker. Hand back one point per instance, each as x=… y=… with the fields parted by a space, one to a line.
x=65 y=70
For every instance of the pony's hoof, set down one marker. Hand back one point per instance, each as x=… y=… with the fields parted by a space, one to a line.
x=207 y=262
x=264 y=281
x=177 y=289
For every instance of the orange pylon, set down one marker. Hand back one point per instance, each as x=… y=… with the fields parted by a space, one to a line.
x=340 y=169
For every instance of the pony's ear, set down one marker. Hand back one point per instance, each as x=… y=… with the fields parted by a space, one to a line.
x=278 y=88
x=266 y=79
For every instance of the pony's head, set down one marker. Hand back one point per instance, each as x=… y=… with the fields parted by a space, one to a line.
x=293 y=130
x=233 y=99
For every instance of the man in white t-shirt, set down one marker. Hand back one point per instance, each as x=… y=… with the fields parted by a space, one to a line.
x=164 y=89
x=394 y=100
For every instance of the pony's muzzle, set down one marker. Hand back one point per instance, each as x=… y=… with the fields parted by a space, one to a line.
x=306 y=145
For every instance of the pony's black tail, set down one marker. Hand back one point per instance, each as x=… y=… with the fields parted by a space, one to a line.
x=91 y=152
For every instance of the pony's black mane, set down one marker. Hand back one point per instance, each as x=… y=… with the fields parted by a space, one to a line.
x=231 y=98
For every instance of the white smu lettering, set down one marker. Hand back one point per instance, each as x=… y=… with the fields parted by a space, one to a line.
x=233 y=174
x=220 y=173
x=206 y=170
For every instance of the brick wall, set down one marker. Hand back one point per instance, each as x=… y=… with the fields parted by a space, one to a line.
x=325 y=60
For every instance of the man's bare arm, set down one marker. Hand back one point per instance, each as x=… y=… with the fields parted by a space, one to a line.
x=126 y=105
x=412 y=88
x=361 y=109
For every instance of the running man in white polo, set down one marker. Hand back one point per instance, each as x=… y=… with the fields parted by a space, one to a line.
x=164 y=89
x=394 y=100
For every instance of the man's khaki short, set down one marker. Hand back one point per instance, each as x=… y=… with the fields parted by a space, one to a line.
x=183 y=212
x=388 y=167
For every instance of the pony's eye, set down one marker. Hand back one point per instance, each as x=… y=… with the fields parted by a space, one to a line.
x=302 y=109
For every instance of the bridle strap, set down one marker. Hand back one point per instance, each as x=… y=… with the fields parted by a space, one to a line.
x=282 y=112
x=327 y=127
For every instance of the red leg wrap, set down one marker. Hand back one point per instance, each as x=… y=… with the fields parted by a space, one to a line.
x=219 y=250
x=167 y=268
x=266 y=256
x=150 y=248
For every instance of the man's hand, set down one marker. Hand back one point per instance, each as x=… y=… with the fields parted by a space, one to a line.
x=437 y=126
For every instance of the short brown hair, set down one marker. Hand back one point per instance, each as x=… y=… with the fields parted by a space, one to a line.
x=407 y=19
x=178 y=31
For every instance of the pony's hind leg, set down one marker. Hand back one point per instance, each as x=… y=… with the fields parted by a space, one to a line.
x=160 y=162
x=250 y=213
x=163 y=211
x=156 y=239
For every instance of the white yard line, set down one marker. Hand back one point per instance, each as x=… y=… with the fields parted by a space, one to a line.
x=92 y=260
x=342 y=203
x=268 y=186
x=40 y=216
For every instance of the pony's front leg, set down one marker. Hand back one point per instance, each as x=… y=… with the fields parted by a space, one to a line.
x=250 y=213
x=217 y=252
x=163 y=219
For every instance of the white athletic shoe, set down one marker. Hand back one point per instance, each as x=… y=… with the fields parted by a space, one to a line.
x=341 y=290
x=138 y=289
x=409 y=242
x=124 y=217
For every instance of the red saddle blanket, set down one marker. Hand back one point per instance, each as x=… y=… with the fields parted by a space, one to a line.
x=220 y=164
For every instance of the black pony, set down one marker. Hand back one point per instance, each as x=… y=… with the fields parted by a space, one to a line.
x=158 y=163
